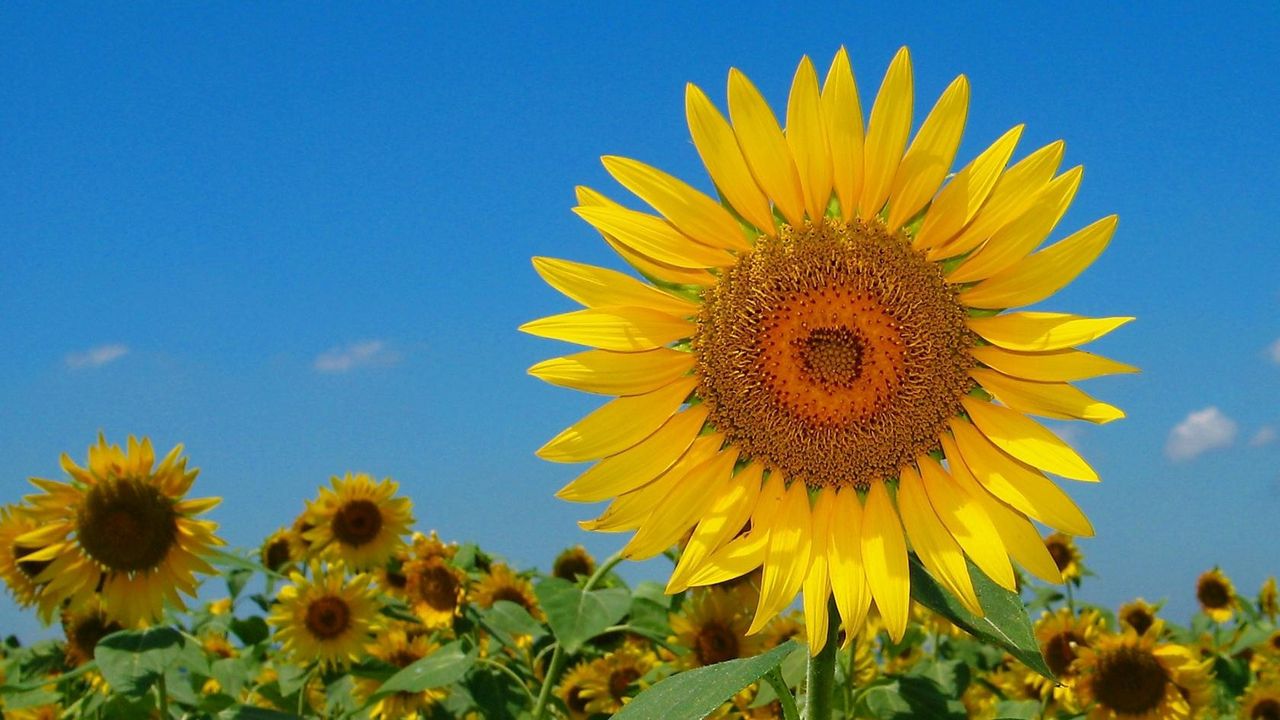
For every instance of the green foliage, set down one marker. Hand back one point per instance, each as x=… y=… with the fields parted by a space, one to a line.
x=694 y=694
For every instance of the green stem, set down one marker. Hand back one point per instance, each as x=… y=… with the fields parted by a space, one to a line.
x=559 y=657
x=820 y=675
x=1071 y=600
x=163 y=692
x=510 y=673
x=789 y=710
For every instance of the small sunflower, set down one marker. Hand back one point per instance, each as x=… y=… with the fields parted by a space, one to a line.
x=84 y=626
x=618 y=676
x=713 y=624
x=304 y=523
x=279 y=551
x=572 y=563
x=327 y=619
x=1131 y=677
x=397 y=648
x=122 y=528
x=1062 y=634
x=1261 y=702
x=434 y=589
x=217 y=645
x=570 y=690
x=1269 y=599
x=500 y=583
x=1065 y=555
x=1216 y=594
x=18 y=572
x=1139 y=615
x=803 y=353
x=359 y=521
x=781 y=629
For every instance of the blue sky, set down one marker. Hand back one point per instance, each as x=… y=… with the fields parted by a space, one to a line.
x=296 y=238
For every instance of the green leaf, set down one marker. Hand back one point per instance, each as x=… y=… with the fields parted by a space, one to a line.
x=237 y=578
x=132 y=660
x=950 y=675
x=249 y=712
x=512 y=619
x=251 y=630
x=694 y=694
x=576 y=616
x=909 y=697
x=442 y=667
x=1005 y=624
x=1018 y=710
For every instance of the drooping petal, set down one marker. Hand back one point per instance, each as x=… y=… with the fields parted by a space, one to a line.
x=727 y=515
x=1027 y=440
x=787 y=558
x=616 y=373
x=817 y=581
x=718 y=147
x=929 y=158
x=632 y=468
x=939 y=552
x=652 y=237
x=960 y=199
x=765 y=147
x=1039 y=331
x=680 y=510
x=844 y=560
x=843 y=115
x=745 y=552
x=1054 y=366
x=650 y=268
x=629 y=510
x=624 y=329
x=807 y=138
x=617 y=425
x=884 y=557
x=967 y=522
x=692 y=212
x=887 y=133
x=1035 y=278
x=1046 y=399
x=596 y=287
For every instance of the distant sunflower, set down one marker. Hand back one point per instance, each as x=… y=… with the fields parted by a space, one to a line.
x=17 y=571
x=1062 y=634
x=278 y=551
x=1131 y=677
x=1065 y=555
x=1261 y=702
x=434 y=589
x=618 y=676
x=788 y=626
x=326 y=619
x=395 y=647
x=359 y=521
x=713 y=624
x=570 y=689
x=502 y=584
x=122 y=528
x=1216 y=594
x=84 y=626
x=1139 y=615
x=572 y=563
x=803 y=353
x=1269 y=599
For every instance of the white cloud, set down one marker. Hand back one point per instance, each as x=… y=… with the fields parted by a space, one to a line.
x=1199 y=432
x=1274 y=351
x=368 y=353
x=1265 y=436
x=96 y=356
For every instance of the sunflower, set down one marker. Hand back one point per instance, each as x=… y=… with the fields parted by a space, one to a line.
x=279 y=552
x=121 y=528
x=434 y=589
x=573 y=562
x=1269 y=599
x=1062 y=634
x=500 y=583
x=1065 y=555
x=713 y=624
x=781 y=629
x=18 y=572
x=397 y=648
x=1262 y=702
x=803 y=354
x=1131 y=677
x=1216 y=594
x=618 y=675
x=570 y=689
x=84 y=626
x=359 y=521
x=1139 y=615
x=326 y=619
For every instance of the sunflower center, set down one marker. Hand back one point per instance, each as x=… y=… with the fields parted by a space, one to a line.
x=403 y=658
x=1130 y=680
x=1266 y=709
x=1140 y=620
x=1060 y=553
x=715 y=643
x=30 y=568
x=127 y=525
x=435 y=585
x=620 y=680
x=576 y=701
x=1060 y=651
x=277 y=555
x=328 y=617
x=1213 y=594
x=570 y=565
x=357 y=522
x=85 y=634
x=833 y=353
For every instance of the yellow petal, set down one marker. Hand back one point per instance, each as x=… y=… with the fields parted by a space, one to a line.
x=617 y=425
x=929 y=158
x=843 y=115
x=625 y=329
x=1018 y=484
x=652 y=237
x=886 y=135
x=807 y=138
x=680 y=510
x=787 y=559
x=616 y=373
x=1052 y=400
x=1019 y=537
x=939 y=552
x=1054 y=366
x=728 y=514
x=650 y=268
x=629 y=510
x=718 y=147
x=1016 y=240
x=844 y=560
x=967 y=522
x=764 y=147
x=595 y=287
x=884 y=557
x=737 y=558
x=817 y=582
x=632 y=468
x=1035 y=278
x=1014 y=192
x=959 y=201
x=1030 y=331
x=692 y=212
x=1027 y=440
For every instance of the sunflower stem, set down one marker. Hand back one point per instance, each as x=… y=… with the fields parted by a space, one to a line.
x=162 y=693
x=820 y=675
x=785 y=698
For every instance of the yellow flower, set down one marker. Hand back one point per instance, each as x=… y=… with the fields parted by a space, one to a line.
x=278 y=551
x=122 y=528
x=1216 y=594
x=434 y=590
x=359 y=521
x=1139 y=615
x=327 y=619
x=1065 y=555
x=712 y=623
x=502 y=584
x=781 y=629
x=570 y=689
x=1261 y=702
x=16 y=570
x=573 y=562
x=1269 y=599
x=217 y=645
x=1062 y=635
x=615 y=674
x=396 y=647
x=802 y=354
x=84 y=626
x=1131 y=677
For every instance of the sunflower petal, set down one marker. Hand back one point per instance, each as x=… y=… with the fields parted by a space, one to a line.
x=1029 y=331
x=886 y=135
x=718 y=147
x=764 y=147
x=807 y=138
x=737 y=558
x=1027 y=440
x=1052 y=400
x=595 y=287
x=617 y=425
x=967 y=522
x=844 y=561
x=960 y=199
x=625 y=329
x=650 y=268
x=884 y=557
x=817 y=582
x=616 y=373
x=1054 y=366
x=692 y=212
x=931 y=153
x=652 y=237
x=726 y=516
x=1018 y=484
x=939 y=552
x=787 y=558
x=680 y=510
x=629 y=510
x=632 y=468
x=843 y=115
x=1035 y=278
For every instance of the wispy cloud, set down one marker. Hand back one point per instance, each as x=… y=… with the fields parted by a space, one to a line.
x=1274 y=351
x=367 y=353
x=96 y=356
x=1199 y=432
x=1265 y=436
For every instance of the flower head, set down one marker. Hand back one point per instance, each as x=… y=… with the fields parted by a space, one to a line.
x=326 y=619
x=1132 y=677
x=360 y=522
x=1216 y=595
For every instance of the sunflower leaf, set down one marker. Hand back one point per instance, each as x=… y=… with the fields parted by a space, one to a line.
x=576 y=616
x=132 y=660
x=1006 y=623
x=696 y=693
x=442 y=667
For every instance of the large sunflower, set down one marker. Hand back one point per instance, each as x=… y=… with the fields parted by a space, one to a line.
x=327 y=619
x=122 y=528
x=807 y=355
x=360 y=522
x=1131 y=677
